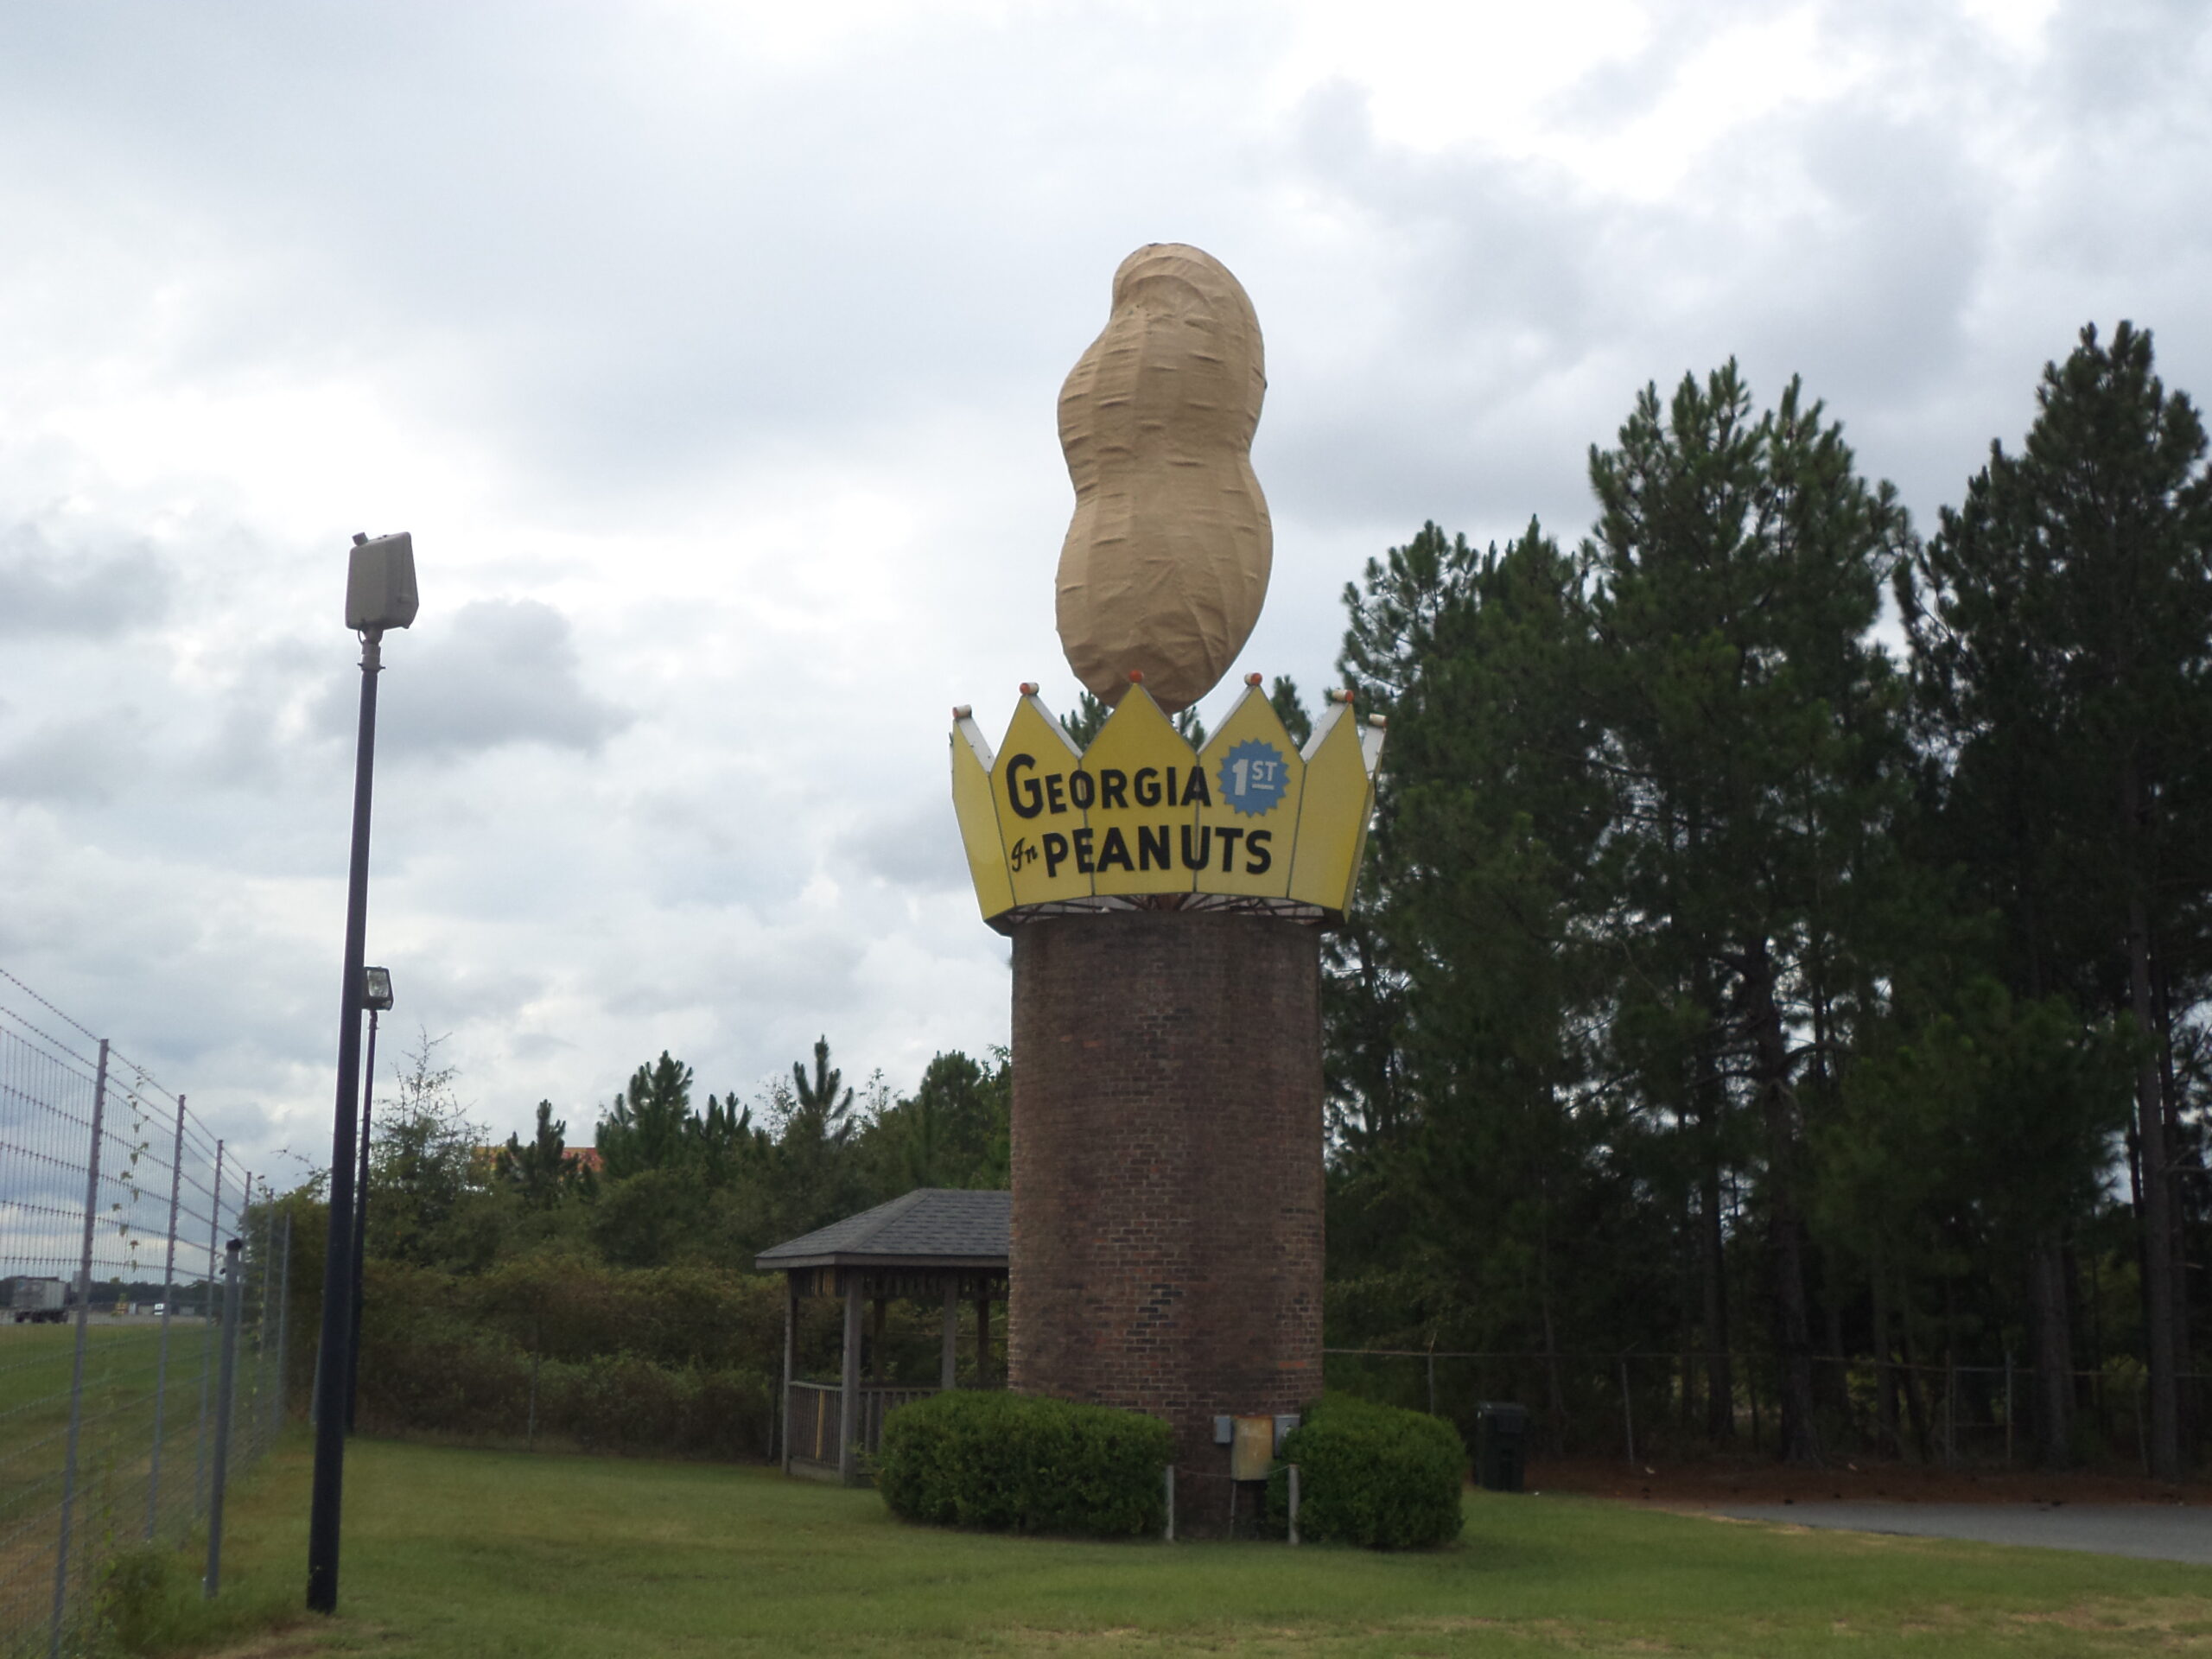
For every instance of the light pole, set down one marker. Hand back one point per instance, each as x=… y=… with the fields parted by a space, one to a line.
x=376 y=994
x=379 y=594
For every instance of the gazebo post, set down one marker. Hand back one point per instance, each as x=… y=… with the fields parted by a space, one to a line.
x=984 y=1338
x=848 y=1396
x=949 y=1378
x=791 y=1355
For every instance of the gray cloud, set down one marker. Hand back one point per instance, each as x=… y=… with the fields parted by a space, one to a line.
x=45 y=590
x=83 y=760
x=502 y=671
x=909 y=847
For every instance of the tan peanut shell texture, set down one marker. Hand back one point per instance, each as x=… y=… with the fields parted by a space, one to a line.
x=1165 y=562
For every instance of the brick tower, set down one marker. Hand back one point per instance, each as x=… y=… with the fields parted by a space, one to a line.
x=1167 y=1183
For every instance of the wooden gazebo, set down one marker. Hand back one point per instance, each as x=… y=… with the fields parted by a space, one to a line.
x=936 y=1244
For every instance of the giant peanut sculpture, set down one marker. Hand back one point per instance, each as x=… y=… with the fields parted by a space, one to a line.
x=1166 y=561
x=1164 y=895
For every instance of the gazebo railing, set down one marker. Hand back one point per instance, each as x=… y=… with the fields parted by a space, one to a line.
x=812 y=1413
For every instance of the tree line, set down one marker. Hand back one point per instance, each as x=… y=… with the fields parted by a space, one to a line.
x=1784 y=945
x=1784 y=949
x=666 y=1180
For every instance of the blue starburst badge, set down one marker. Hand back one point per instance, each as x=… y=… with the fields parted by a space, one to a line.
x=1254 y=775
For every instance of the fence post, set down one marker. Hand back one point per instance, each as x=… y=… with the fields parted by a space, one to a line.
x=1167 y=1481
x=245 y=1272
x=948 y=1364
x=1628 y=1410
x=1293 y=1504
x=790 y=1349
x=76 y=1372
x=277 y=1395
x=257 y=1425
x=212 y=1582
x=208 y=1340
x=2008 y=1408
x=168 y=1297
x=1950 y=1410
x=849 y=1426
x=261 y=1252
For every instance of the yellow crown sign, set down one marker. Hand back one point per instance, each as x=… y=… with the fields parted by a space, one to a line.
x=1139 y=818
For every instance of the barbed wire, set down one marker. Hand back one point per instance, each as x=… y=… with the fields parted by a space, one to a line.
x=47 y=1005
x=57 y=1051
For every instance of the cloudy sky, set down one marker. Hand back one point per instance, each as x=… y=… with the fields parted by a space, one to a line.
x=710 y=352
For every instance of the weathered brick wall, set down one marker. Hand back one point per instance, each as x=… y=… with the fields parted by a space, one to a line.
x=1167 y=1186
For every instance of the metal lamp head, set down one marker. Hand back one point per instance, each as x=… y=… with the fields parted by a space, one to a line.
x=380 y=583
x=376 y=988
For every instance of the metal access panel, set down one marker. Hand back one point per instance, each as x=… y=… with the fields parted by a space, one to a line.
x=1252 y=1453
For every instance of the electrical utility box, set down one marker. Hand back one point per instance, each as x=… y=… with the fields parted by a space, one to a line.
x=1252 y=1453
x=380 y=583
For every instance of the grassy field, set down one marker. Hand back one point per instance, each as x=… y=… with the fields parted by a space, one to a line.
x=120 y=1358
x=456 y=1552
x=115 y=1446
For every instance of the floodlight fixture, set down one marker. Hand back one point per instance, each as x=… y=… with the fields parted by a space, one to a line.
x=376 y=988
x=380 y=590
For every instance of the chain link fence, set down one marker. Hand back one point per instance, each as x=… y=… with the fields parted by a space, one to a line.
x=119 y=1318
x=1635 y=1406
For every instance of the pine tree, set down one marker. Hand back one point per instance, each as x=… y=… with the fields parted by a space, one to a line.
x=649 y=1125
x=1753 y=736
x=951 y=1131
x=538 y=1171
x=1290 y=708
x=2062 y=618
x=1085 y=720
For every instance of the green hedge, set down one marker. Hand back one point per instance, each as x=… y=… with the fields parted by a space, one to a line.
x=667 y=1361
x=1024 y=1463
x=1372 y=1475
x=477 y=1388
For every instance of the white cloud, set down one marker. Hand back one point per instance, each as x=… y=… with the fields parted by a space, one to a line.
x=710 y=354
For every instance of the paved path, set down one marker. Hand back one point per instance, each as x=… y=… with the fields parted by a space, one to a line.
x=2157 y=1532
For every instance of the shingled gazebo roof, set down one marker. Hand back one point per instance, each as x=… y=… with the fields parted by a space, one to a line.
x=930 y=1227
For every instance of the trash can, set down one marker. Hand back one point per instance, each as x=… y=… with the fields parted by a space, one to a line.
x=1500 y=1445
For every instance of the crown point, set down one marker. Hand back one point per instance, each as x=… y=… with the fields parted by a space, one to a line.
x=1251 y=679
x=1136 y=676
x=962 y=711
x=1029 y=687
x=1379 y=721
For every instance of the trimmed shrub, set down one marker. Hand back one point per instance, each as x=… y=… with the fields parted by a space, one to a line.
x=1372 y=1475
x=1024 y=1463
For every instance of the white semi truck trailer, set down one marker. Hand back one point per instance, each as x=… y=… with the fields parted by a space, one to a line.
x=42 y=1301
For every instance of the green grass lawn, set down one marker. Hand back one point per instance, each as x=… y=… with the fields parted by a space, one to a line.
x=122 y=1360
x=487 y=1554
